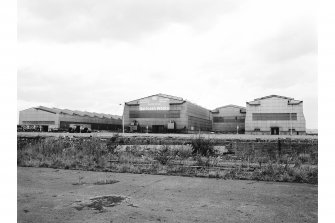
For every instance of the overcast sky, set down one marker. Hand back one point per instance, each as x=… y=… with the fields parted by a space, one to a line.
x=93 y=55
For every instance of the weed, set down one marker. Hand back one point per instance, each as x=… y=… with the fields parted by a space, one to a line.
x=80 y=182
x=112 y=143
x=202 y=146
x=213 y=174
x=163 y=155
x=184 y=152
x=253 y=162
x=304 y=157
x=202 y=161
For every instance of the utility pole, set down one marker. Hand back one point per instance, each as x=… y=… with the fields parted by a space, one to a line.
x=236 y=125
x=122 y=119
x=291 y=118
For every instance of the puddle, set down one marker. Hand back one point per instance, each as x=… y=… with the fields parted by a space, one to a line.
x=99 y=203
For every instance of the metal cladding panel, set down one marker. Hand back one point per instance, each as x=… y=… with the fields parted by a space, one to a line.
x=198 y=118
x=162 y=97
x=154 y=103
x=170 y=114
x=149 y=115
x=155 y=111
x=274 y=116
x=275 y=105
x=228 y=127
x=93 y=125
x=39 y=117
x=46 y=116
x=228 y=119
x=89 y=120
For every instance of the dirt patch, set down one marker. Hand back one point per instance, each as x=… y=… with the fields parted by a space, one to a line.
x=99 y=203
x=156 y=196
x=78 y=183
x=102 y=182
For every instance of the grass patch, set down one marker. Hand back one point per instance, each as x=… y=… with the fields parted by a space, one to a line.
x=195 y=158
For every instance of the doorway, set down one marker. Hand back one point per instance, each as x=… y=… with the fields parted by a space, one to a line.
x=77 y=129
x=158 y=128
x=44 y=128
x=274 y=130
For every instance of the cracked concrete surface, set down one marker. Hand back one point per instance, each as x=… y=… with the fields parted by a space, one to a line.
x=48 y=195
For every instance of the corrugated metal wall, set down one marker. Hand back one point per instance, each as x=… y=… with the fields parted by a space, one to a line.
x=271 y=106
x=227 y=119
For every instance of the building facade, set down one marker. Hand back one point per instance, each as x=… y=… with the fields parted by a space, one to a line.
x=229 y=119
x=275 y=115
x=55 y=118
x=165 y=113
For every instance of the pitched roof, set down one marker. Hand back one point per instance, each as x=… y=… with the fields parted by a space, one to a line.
x=294 y=102
x=273 y=95
x=173 y=99
x=257 y=100
x=226 y=106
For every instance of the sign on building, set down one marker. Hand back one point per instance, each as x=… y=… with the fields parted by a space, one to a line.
x=154 y=104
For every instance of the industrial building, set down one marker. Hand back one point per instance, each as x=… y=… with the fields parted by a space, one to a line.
x=229 y=119
x=275 y=115
x=165 y=113
x=54 y=119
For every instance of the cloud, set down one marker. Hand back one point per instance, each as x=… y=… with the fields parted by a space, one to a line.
x=286 y=74
x=73 y=91
x=94 y=55
x=122 y=20
x=292 y=41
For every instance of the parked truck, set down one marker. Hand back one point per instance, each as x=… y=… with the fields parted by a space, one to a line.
x=80 y=128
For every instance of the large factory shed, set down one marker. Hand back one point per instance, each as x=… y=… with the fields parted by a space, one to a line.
x=62 y=119
x=229 y=119
x=165 y=113
x=275 y=115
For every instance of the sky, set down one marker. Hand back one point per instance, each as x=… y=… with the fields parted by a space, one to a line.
x=94 y=55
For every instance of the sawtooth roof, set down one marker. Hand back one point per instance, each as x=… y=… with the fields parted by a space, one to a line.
x=76 y=112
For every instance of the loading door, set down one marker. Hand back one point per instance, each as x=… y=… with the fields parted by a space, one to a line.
x=274 y=130
x=158 y=128
x=44 y=128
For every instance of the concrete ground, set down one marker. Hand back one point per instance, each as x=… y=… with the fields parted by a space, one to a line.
x=206 y=135
x=50 y=195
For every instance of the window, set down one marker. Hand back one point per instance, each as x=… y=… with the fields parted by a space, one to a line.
x=257 y=130
x=274 y=116
x=38 y=122
x=155 y=114
x=228 y=119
